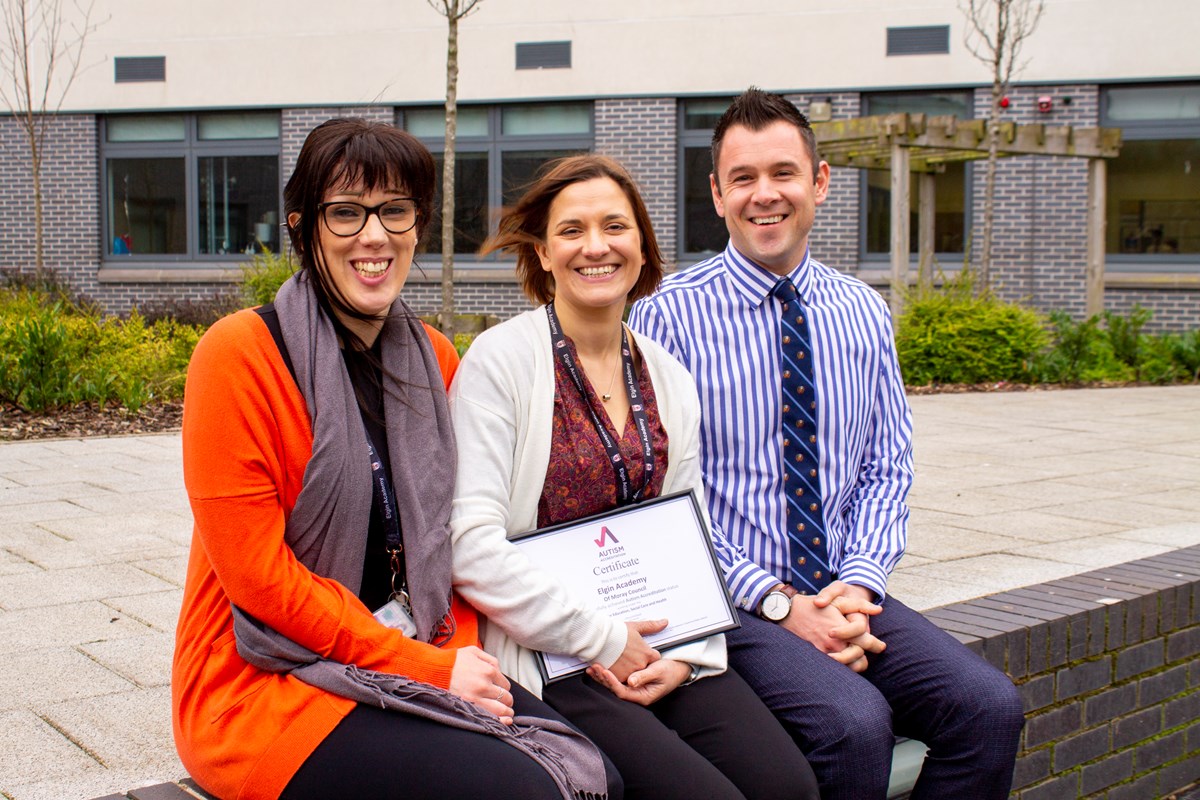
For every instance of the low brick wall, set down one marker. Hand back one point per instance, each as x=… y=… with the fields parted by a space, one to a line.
x=1108 y=663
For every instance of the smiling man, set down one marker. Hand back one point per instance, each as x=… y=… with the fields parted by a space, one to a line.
x=806 y=446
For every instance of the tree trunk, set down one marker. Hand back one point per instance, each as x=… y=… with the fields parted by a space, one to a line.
x=446 y=317
x=39 y=247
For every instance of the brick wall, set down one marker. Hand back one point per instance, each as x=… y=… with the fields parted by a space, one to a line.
x=643 y=135
x=835 y=237
x=1108 y=664
x=70 y=198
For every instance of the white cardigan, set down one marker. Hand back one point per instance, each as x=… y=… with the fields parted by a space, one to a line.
x=502 y=403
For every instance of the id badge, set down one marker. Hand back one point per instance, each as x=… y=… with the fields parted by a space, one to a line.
x=393 y=614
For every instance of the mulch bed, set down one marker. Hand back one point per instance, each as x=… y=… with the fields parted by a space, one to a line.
x=91 y=420
x=88 y=420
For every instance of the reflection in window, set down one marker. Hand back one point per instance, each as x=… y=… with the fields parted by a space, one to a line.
x=1154 y=197
x=702 y=231
x=190 y=185
x=146 y=206
x=239 y=202
x=949 y=202
x=498 y=152
x=950 y=187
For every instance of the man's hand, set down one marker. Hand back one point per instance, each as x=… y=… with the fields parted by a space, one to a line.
x=637 y=655
x=647 y=685
x=816 y=626
x=856 y=604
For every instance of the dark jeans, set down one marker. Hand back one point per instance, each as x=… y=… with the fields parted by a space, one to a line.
x=926 y=685
x=712 y=739
x=385 y=755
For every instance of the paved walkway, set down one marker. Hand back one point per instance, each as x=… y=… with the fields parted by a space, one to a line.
x=1012 y=489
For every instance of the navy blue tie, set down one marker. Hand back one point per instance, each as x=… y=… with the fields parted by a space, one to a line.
x=808 y=561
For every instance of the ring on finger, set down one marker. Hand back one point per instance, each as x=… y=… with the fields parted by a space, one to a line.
x=501 y=693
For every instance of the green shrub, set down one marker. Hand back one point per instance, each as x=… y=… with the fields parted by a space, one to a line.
x=262 y=277
x=950 y=335
x=1185 y=353
x=53 y=354
x=1081 y=353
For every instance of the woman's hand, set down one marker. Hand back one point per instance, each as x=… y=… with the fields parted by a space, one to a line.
x=476 y=678
x=647 y=685
x=637 y=654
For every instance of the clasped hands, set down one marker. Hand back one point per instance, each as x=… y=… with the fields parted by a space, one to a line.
x=641 y=675
x=837 y=621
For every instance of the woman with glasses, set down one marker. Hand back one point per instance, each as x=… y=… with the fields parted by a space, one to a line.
x=548 y=432
x=320 y=651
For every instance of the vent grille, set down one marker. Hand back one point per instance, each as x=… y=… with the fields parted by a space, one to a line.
x=543 y=55
x=140 y=69
x=924 y=40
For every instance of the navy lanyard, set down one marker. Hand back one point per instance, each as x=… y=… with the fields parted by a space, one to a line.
x=385 y=504
x=626 y=494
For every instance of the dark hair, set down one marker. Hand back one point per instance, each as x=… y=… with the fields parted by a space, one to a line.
x=341 y=153
x=523 y=226
x=756 y=109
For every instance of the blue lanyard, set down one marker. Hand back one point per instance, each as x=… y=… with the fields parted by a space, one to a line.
x=626 y=494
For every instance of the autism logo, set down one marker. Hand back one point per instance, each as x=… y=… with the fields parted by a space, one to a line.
x=605 y=535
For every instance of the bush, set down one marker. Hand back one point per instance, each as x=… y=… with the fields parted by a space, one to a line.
x=950 y=335
x=193 y=312
x=54 y=354
x=1081 y=353
x=262 y=277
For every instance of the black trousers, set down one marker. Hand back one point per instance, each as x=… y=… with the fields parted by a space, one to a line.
x=385 y=755
x=713 y=739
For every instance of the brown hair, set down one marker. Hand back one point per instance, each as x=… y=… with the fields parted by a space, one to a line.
x=756 y=109
x=523 y=226
x=348 y=152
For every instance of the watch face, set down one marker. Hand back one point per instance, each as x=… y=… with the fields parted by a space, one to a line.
x=776 y=606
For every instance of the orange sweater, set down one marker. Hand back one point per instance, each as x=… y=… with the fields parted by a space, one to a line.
x=242 y=732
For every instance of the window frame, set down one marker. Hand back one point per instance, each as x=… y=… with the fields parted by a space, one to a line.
x=191 y=148
x=1149 y=130
x=946 y=260
x=689 y=139
x=495 y=144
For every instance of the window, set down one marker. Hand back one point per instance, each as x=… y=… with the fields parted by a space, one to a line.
x=498 y=151
x=1153 y=210
x=702 y=232
x=191 y=186
x=950 y=187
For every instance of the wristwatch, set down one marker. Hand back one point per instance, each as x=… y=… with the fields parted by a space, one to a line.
x=777 y=603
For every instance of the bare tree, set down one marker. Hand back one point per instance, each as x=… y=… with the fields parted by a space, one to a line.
x=454 y=11
x=39 y=60
x=995 y=31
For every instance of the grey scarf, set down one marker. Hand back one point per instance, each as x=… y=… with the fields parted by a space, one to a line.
x=336 y=497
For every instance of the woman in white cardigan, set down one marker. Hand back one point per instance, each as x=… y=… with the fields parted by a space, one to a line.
x=530 y=403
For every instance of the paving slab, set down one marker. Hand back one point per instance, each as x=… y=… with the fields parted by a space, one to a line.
x=1011 y=489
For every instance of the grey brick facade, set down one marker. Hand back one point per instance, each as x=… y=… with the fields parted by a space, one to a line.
x=1040 y=243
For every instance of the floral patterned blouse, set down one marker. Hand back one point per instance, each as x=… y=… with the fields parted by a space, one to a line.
x=579 y=479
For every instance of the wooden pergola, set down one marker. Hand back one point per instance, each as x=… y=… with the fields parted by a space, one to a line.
x=905 y=144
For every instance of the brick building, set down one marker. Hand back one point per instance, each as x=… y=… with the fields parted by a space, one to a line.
x=164 y=169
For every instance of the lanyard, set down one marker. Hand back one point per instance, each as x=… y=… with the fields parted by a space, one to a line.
x=385 y=505
x=626 y=494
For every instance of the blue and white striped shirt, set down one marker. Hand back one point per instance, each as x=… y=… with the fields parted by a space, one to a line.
x=720 y=320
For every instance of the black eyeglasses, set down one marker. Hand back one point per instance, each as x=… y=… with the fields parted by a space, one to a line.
x=347 y=219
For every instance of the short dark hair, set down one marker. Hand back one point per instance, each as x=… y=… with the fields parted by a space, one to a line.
x=756 y=109
x=523 y=227
x=341 y=153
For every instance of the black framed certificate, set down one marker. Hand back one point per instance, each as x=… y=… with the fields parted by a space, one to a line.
x=651 y=560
